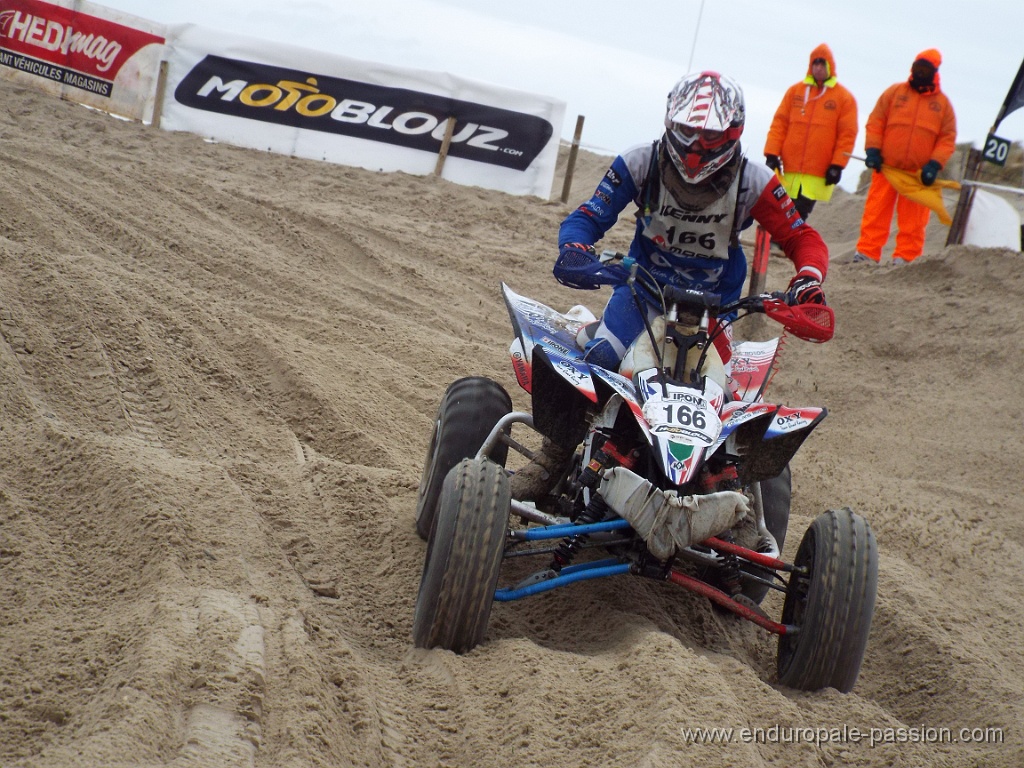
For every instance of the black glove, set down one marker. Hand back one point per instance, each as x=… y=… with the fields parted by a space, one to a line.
x=929 y=172
x=833 y=174
x=873 y=159
x=773 y=162
x=804 y=289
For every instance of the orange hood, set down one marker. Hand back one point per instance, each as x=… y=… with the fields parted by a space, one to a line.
x=822 y=52
x=932 y=56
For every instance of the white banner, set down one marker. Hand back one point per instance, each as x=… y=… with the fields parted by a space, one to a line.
x=82 y=52
x=269 y=96
x=992 y=223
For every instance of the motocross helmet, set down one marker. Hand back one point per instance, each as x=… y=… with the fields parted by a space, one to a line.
x=703 y=123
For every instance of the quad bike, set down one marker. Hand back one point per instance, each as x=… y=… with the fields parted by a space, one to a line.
x=678 y=471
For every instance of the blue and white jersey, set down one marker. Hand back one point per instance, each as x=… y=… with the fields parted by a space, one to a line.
x=679 y=246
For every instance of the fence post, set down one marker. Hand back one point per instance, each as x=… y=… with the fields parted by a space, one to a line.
x=158 y=99
x=570 y=165
x=972 y=170
x=445 y=144
x=759 y=268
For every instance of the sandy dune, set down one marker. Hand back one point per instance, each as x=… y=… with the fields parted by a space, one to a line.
x=218 y=370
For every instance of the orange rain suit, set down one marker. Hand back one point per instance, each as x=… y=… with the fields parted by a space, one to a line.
x=813 y=128
x=909 y=128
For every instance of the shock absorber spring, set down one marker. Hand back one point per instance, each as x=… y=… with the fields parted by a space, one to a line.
x=570 y=545
x=732 y=580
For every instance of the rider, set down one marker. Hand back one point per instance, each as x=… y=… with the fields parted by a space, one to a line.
x=695 y=191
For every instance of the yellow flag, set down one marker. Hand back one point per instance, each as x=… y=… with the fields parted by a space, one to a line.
x=909 y=185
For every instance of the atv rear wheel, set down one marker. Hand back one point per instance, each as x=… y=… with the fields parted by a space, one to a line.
x=469 y=410
x=464 y=557
x=832 y=603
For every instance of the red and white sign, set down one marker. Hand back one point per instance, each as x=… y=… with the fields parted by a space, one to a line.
x=82 y=52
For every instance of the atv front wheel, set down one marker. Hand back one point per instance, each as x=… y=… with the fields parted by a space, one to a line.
x=831 y=603
x=469 y=410
x=464 y=557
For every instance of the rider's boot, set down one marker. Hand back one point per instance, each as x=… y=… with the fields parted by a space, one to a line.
x=539 y=476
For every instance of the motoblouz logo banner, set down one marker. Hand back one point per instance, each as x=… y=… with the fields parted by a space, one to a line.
x=306 y=103
x=396 y=116
x=80 y=54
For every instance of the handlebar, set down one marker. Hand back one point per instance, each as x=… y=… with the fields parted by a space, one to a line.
x=694 y=300
x=811 y=322
x=698 y=301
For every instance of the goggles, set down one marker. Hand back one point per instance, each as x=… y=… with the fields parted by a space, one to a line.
x=702 y=138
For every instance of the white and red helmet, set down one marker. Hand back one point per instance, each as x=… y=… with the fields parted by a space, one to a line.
x=703 y=123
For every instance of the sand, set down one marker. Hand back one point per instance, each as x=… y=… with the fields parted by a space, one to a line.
x=218 y=371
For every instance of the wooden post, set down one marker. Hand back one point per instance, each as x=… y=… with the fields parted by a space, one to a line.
x=754 y=324
x=445 y=145
x=972 y=170
x=158 y=103
x=759 y=268
x=570 y=165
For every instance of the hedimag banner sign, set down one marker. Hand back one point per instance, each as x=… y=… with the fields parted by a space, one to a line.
x=82 y=52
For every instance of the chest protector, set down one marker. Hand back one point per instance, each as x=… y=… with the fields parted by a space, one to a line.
x=703 y=234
